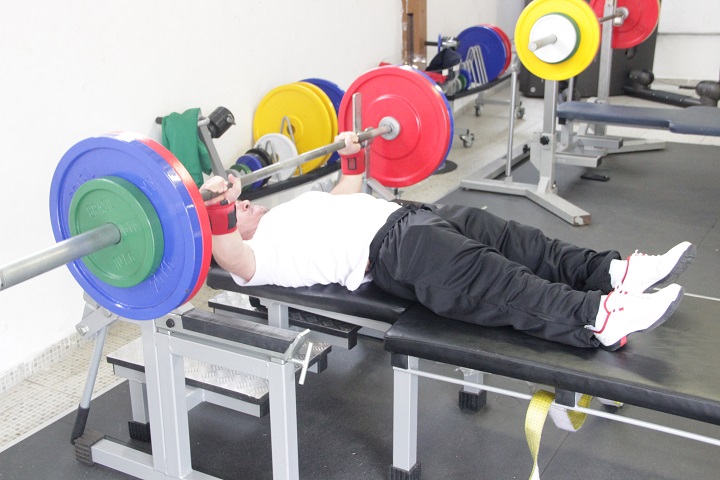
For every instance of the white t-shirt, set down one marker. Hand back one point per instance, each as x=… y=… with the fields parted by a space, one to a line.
x=317 y=238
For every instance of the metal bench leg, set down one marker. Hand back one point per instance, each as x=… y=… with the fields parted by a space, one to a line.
x=405 y=418
x=283 y=421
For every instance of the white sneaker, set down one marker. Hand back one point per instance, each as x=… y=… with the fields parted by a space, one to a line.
x=625 y=313
x=643 y=272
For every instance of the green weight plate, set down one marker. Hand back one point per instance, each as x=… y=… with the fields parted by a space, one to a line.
x=115 y=200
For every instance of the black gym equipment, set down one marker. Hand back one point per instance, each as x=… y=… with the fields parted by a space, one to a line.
x=639 y=82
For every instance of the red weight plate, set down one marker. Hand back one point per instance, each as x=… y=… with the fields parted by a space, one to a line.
x=642 y=19
x=205 y=232
x=508 y=46
x=419 y=107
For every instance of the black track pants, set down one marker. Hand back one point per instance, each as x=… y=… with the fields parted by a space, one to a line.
x=467 y=264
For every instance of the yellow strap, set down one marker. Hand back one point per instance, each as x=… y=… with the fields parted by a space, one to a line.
x=537 y=412
x=577 y=418
x=534 y=421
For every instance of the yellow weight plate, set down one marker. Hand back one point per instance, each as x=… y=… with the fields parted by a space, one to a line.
x=588 y=42
x=332 y=113
x=312 y=124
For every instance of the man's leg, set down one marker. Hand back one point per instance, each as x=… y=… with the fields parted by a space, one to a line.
x=426 y=259
x=553 y=260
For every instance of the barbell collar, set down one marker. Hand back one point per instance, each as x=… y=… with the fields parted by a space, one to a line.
x=394 y=128
x=59 y=254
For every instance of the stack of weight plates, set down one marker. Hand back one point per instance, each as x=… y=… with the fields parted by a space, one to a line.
x=296 y=118
x=496 y=53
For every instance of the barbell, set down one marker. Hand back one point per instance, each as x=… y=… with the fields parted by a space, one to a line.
x=388 y=129
x=401 y=108
x=558 y=39
x=131 y=225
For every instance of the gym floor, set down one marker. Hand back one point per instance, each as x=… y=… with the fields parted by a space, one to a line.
x=39 y=402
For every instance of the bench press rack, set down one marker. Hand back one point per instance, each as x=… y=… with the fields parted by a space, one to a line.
x=551 y=147
x=161 y=394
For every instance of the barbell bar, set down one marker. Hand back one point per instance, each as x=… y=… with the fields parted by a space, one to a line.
x=618 y=18
x=388 y=129
x=132 y=227
x=58 y=255
x=542 y=42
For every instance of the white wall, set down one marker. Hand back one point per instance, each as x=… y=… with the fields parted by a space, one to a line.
x=76 y=68
x=449 y=18
x=688 y=41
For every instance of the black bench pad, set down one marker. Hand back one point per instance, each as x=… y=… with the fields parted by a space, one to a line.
x=672 y=369
x=368 y=301
x=697 y=120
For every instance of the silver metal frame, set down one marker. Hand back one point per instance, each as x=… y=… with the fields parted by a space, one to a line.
x=161 y=397
x=405 y=410
x=550 y=147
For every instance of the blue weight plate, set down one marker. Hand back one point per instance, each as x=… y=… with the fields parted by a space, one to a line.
x=450 y=113
x=491 y=45
x=333 y=91
x=264 y=158
x=126 y=156
x=254 y=162
x=335 y=94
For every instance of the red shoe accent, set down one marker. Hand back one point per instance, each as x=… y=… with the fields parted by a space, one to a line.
x=627 y=265
x=608 y=311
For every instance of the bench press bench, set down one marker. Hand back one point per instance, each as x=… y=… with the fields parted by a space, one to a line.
x=671 y=369
x=696 y=120
x=368 y=308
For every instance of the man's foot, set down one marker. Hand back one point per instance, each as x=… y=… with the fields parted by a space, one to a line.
x=644 y=272
x=622 y=313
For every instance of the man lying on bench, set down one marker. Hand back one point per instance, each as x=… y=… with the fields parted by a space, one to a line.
x=460 y=262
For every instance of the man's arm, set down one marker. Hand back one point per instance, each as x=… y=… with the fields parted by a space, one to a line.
x=348 y=184
x=352 y=161
x=234 y=255
x=228 y=247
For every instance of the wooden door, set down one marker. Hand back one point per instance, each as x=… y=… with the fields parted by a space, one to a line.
x=414 y=27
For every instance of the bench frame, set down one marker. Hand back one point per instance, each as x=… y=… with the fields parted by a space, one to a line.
x=166 y=345
x=411 y=352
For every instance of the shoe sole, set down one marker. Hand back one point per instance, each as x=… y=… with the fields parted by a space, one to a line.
x=665 y=316
x=681 y=265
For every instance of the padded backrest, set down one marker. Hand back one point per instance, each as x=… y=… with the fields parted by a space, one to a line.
x=368 y=301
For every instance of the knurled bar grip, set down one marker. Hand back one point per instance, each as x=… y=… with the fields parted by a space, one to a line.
x=388 y=127
x=59 y=254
